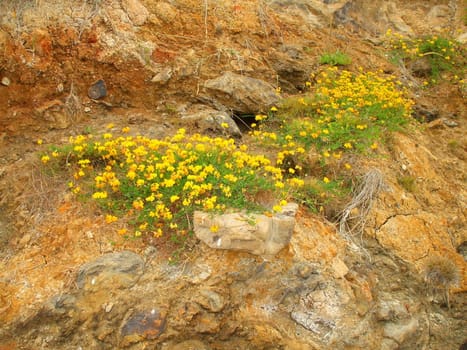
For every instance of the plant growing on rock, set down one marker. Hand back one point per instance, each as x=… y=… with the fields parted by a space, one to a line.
x=336 y=58
x=343 y=115
x=441 y=54
x=441 y=274
x=155 y=185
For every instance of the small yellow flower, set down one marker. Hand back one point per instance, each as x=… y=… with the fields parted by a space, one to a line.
x=39 y=142
x=174 y=198
x=273 y=109
x=45 y=159
x=99 y=195
x=214 y=228
x=126 y=130
x=138 y=204
x=279 y=184
x=326 y=180
x=110 y=218
x=348 y=145
x=122 y=231
x=277 y=208
x=348 y=166
x=225 y=125
x=374 y=146
x=138 y=233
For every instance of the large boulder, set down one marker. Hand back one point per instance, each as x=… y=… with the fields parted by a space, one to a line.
x=242 y=94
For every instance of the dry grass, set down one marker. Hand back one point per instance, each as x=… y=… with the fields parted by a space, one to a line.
x=441 y=274
x=352 y=220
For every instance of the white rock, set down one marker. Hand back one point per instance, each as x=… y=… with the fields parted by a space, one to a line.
x=254 y=233
x=6 y=81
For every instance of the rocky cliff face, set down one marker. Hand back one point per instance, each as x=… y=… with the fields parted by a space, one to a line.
x=68 y=281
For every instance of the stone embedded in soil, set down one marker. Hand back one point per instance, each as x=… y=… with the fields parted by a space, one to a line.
x=136 y=11
x=97 y=90
x=54 y=113
x=402 y=331
x=241 y=93
x=212 y=120
x=6 y=81
x=143 y=325
x=253 y=233
x=207 y=323
x=210 y=300
x=187 y=345
x=163 y=76
x=114 y=270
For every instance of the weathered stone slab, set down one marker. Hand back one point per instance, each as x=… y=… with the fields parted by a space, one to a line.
x=115 y=270
x=241 y=93
x=254 y=233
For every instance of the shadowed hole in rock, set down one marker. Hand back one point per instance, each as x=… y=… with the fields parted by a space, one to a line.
x=243 y=121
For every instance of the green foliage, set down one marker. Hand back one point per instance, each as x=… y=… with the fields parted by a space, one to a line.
x=407 y=182
x=155 y=185
x=336 y=58
x=443 y=55
x=343 y=114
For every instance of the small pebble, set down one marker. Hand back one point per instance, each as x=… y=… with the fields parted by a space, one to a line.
x=87 y=109
x=6 y=81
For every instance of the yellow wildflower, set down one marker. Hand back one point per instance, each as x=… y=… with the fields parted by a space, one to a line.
x=110 y=218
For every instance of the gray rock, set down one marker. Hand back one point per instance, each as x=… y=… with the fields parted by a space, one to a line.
x=254 y=233
x=163 y=76
x=110 y=271
x=391 y=309
x=210 y=300
x=402 y=331
x=313 y=322
x=211 y=120
x=241 y=93
x=97 y=90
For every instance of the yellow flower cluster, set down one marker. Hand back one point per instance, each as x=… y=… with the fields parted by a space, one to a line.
x=441 y=53
x=157 y=184
x=343 y=112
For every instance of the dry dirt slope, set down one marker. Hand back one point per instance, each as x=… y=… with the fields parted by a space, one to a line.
x=52 y=51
